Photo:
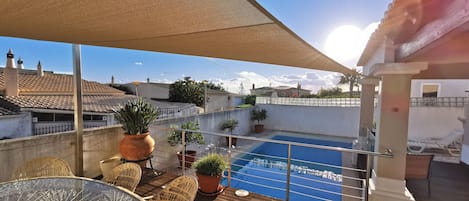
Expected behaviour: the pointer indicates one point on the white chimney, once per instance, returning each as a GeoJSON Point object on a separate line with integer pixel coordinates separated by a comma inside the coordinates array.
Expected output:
{"type": "Point", "coordinates": [11, 75]}
{"type": "Point", "coordinates": [10, 59]}
{"type": "Point", "coordinates": [20, 63]}
{"type": "Point", "coordinates": [39, 69]}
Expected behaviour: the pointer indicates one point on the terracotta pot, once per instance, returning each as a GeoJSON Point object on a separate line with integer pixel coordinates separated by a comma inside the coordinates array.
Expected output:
{"type": "Point", "coordinates": [233, 141]}
{"type": "Point", "coordinates": [190, 158]}
{"type": "Point", "coordinates": [208, 184]}
{"type": "Point", "coordinates": [137, 147]}
{"type": "Point", "coordinates": [258, 128]}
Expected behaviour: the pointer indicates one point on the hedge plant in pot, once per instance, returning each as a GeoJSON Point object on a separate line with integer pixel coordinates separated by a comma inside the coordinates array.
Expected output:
{"type": "Point", "coordinates": [175, 138]}
{"type": "Point", "coordinates": [209, 171]}
{"type": "Point", "coordinates": [136, 117]}
{"type": "Point", "coordinates": [230, 124]}
{"type": "Point", "coordinates": [258, 115]}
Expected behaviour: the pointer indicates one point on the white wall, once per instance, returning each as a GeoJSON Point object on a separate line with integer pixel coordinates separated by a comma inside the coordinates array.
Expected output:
{"type": "Point", "coordinates": [436, 122]}
{"type": "Point", "coordinates": [16, 126]}
{"type": "Point", "coordinates": [336, 121]}
{"type": "Point", "coordinates": [149, 90]}
{"type": "Point", "coordinates": [217, 102]}
{"type": "Point", "coordinates": [448, 88]}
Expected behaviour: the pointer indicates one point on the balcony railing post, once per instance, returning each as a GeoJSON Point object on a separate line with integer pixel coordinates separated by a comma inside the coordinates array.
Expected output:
{"type": "Point", "coordinates": [183, 165]}
{"type": "Point", "coordinates": [287, 197]}
{"type": "Point", "coordinates": [368, 170]}
{"type": "Point", "coordinates": [229, 160]}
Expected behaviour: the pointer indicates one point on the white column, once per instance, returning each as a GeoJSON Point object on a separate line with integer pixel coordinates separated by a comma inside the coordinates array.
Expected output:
{"type": "Point", "coordinates": [388, 180]}
{"type": "Point", "coordinates": [367, 106]}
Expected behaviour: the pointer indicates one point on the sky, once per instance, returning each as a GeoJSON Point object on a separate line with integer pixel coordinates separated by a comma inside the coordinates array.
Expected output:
{"type": "Point", "coordinates": [338, 28]}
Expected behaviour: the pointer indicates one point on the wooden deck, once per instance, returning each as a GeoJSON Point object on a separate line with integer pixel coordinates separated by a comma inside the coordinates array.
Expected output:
{"type": "Point", "coordinates": [448, 182]}
{"type": "Point", "coordinates": [151, 185]}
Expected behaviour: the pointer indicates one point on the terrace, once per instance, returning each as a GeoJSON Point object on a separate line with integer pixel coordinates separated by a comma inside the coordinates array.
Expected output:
{"type": "Point", "coordinates": [403, 48]}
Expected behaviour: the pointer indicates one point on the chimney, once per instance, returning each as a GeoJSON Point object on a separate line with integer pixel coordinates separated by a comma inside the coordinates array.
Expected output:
{"type": "Point", "coordinates": [39, 69]}
{"type": "Point", "coordinates": [112, 80]}
{"type": "Point", "coordinates": [20, 63]}
{"type": "Point", "coordinates": [148, 80]}
{"type": "Point", "coordinates": [11, 75]}
{"type": "Point", "coordinates": [253, 86]}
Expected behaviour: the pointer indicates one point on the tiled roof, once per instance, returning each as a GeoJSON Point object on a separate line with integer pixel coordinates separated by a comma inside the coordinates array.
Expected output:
{"type": "Point", "coordinates": [5, 111]}
{"type": "Point", "coordinates": [91, 103]}
{"type": "Point", "coordinates": [55, 84]}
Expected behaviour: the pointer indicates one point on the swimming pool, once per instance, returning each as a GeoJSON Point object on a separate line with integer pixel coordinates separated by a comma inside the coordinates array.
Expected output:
{"type": "Point", "coordinates": [308, 181]}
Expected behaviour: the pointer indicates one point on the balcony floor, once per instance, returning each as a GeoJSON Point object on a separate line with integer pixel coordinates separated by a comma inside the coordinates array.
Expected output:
{"type": "Point", "coordinates": [448, 182]}
{"type": "Point", "coordinates": [151, 185]}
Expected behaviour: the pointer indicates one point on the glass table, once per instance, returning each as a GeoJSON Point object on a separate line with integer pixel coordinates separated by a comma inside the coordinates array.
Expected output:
{"type": "Point", "coordinates": [63, 188]}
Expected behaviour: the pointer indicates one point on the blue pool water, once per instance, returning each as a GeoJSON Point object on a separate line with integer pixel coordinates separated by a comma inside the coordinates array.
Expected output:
{"type": "Point", "coordinates": [257, 169]}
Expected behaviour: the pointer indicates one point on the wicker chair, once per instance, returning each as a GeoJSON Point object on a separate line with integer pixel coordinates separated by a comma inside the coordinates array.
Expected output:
{"type": "Point", "coordinates": [183, 188]}
{"type": "Point", "coordinates": [126, 175]}
{"type": "Point", "coordinates": [42, 167]}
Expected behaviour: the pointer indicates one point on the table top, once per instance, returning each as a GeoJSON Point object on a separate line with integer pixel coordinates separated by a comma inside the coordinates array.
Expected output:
{"type": "Point", "coordinates": [63, 188]}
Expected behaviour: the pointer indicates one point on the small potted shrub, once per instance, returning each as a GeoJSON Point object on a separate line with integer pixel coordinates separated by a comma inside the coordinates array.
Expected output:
{"type": "Point", "coordinates": [258, 115]}
{"type": "Point", "coordinates": [136, 117]}
{"type": "Point", "coordinates": [175, 138]}
{"type": "Point", "coordinates": [209, 171]}
{"type": "Point", "coordinates": [230, 124]}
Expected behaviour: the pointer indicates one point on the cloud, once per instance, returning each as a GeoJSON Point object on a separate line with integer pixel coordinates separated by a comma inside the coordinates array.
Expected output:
{"type": "Point", "coordinates": [138, 63]}
{"type": "Point", "coordinates": [310, 80]}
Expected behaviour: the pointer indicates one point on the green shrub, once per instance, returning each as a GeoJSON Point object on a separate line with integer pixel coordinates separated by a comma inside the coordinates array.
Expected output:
{"type": "Point", "coordinates": [175, 136]}
{"type": "Point", "coordinates": [258, 115]}
{"type": "Point", "coordinates": [230, 124]}
{"type": "Point", "coordinates": [136, 116]}
{"type": "Point", "coordinates": [212, 165]}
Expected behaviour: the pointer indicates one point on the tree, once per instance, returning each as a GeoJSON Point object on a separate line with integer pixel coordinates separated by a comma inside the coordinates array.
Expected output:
{"type": "Point", "coordinates": [187, 91]}
{"type": "Point", "coordinates": [335, 92]}
{"type": "Point", "coordinates": [190, 91]}
{"type": "Point", "coordinates": [352, 80]}
{"type": "Point", "coordinates": [250, 99]}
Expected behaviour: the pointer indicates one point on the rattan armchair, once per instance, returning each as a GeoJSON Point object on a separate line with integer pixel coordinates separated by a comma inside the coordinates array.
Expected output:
{"type": "Point", "coordinates": [183, 188]}
{"type": "Point", "coordinates": [42, 167]}
{"type": "Point", "coordinates": [126, 175]}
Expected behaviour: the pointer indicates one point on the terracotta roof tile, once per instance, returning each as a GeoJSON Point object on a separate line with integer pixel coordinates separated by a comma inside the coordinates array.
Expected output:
{"type": "Point", "coordinates": [91, 103]}
{"type": "Point", "coordinates": [55, 84]}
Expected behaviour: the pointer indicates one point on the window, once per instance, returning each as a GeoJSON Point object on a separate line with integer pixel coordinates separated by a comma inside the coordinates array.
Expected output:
{"type": "Point", "coordinates": [430, 90]}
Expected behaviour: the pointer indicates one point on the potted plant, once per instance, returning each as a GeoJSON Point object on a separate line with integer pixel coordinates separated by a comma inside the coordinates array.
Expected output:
{"type": "Point", "coordinates": [258, 115]}
{"type": "Point", "coordinates": [230, 124]}
{"type": "Point", "coordinates": [209, 171]}
{"type": "Point", "coordinates": [136, 117]}
{"type": "Point", "coordinates": [175, 138]}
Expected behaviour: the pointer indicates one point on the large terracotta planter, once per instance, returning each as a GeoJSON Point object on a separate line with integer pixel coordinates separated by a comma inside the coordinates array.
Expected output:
{"type": "Point", "coordinates": [208, 184]}
{"type": "Point", "coordinates": [137, 147]}
{"type": "Point", "coordinates": [258, 128]}
{"type": "Point", "coordinates": [233, 141]}
{"type": "Point", "coordinates": [190, 158]}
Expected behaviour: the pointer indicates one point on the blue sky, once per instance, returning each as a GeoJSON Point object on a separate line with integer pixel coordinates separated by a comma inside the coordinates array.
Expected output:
{"type": "Point", "coordinates": [312, 20]}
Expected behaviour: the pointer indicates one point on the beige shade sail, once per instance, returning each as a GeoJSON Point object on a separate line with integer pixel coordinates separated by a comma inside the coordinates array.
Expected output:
{"type": "Point", "coordinates": [231, 29]}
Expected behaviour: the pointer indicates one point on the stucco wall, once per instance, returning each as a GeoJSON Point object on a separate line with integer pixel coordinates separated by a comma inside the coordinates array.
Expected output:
{"type": "Point", "coordinates": [435, 122]}
{"type": "Point", "coordinates": [218, 102]}
{"type": "Point", "coordinates": [336, 121]}
{"type": "Point", "coordinates": [98, 144]}
{"type": "Point", "coordinates": [15, 126]}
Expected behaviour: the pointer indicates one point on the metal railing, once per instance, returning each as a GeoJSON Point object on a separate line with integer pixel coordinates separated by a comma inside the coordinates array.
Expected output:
{"type": "Point", "coordinates": [41, 128]}
{"type": "Point", "coordinates": [328, 102]}
{"type": "Point", "coordinates": [355, 102]}
{"type": "Point", "coordinates": [438, 101]}
{"type": "Point", "coordinates": [298, 174]}
{"type": "Point", "coordinates": [172, 112]}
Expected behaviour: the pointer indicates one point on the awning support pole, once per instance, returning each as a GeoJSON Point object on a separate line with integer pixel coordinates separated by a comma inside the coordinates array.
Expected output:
{"type": "Point", "coordinates": [78, 109]}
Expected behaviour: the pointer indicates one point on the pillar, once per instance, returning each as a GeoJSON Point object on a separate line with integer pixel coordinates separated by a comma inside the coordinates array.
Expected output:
{"type": "Point", "coordinates": [367, 106]}
{"type": "Point", "coordinates": [388, 180]}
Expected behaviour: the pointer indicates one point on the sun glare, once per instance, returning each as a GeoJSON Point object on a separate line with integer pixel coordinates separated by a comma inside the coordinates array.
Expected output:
{"type": "Point", "coordinates": [344, 43]}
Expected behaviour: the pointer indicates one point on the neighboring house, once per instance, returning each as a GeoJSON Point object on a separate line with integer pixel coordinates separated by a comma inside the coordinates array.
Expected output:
{"type": "Point", "coordinates": [439, 88]}
{"type": "Point", "coordinates": [219, 100]}
{"type": "Point", "coordinates": [281, 91]}
{"type": "Point", "coordinates": [36, 102]}
{"type": "Point", "coordinates": [151, 90]}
